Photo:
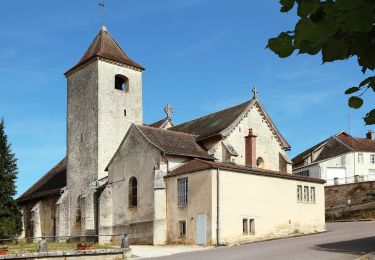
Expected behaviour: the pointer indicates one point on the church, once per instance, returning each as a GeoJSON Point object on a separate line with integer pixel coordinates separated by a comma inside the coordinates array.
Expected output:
{"type": "Point", "coordinates": [218, 179]}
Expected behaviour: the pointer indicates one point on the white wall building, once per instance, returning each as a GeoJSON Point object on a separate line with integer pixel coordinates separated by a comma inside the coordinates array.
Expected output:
{"type": "Point", "coordinates": [339, 159]}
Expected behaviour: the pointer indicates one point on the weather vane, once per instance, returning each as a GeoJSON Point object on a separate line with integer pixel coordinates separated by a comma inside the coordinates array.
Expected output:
{"type": "Point", "coordinates": [102, 10]}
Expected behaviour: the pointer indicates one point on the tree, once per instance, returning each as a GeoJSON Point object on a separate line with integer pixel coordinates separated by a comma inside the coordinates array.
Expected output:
{"type": "Point", "coordinates": [339, 29]}
{"type": "Point", "coordinates": [10, 215]}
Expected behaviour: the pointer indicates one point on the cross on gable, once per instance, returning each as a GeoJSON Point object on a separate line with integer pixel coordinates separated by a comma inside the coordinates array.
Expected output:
{"type": "Point", "coordinates": [255, 92]}
{"type": "Point", "coordinates": [168, 110]}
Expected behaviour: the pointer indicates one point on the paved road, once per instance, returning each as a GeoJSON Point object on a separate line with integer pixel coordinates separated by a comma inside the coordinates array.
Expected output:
{"type": "Point", "coordinates": [342, 241]}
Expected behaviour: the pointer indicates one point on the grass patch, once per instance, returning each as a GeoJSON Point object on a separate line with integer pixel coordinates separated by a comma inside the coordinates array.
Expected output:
{"type": "Point", "coordinates": [23, 247]}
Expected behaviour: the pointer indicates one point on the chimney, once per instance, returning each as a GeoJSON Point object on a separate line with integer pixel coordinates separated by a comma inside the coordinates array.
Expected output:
{"type": "Point", "coordinates": [250, 149]}
{"type": "Point", "coordinates": [370, 135]}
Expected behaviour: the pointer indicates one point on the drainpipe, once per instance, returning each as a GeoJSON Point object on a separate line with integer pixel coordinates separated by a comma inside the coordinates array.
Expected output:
{"type": "Point", "coordinates": [354, 172]}
{"type": "Point", "coordinates": [165, 157]}
{"type": "Point", "coordinates": [217, 208]}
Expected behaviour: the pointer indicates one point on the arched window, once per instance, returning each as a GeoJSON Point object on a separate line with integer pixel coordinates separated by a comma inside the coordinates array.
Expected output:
{"type": "Point", "coordinates": [260, 162]}
{"type": "Point", "coordinates": [122, 83]}
{"type": "Point", "coordinates": [132, 192]}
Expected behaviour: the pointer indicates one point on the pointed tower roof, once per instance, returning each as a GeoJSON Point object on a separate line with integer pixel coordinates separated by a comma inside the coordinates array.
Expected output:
{"type": "Point", "coordinates": [104, 46]}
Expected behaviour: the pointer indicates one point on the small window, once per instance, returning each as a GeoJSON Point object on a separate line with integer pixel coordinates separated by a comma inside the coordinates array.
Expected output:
{"type": "Point", "coordinates": [306, 162]}
{"type": "Point", "coordinates": [304, 173]}
{"type": "Point", "coordinates": [122, 83]}
{"type": "Point", "coordinates": [252, 226]}
{"type": "Point", "coordinates": [306, 194]}
{"type": "Point", "coordinates": [132, 192]}
{"type": "Point", "coordinates": [245, 226]}
{"type": "Point", "coordinates": [372, 158]}
{"type": "Point", "coordinates": [260, 162]}
{"type": "Point", "coordinates": [182, 228]}
{"type": "Point", "coordinates": [299, 192]}
{"type": "Point", "coordinates": [360, 158]}
{"type": "Point", "coordinates": [182, 186]}
{"type": "Point", "coordinates": [312, 194]}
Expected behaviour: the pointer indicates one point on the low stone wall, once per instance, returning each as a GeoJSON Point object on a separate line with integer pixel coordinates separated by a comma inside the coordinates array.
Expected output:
{"type": "Point", "coordinates": [140, 233]}
{"type": "Point", "coordinates": [107, 254]}
{"type": "Point", "coordinates": [338, 195]}
{"type": "Point", "coordinates": [362, 201]}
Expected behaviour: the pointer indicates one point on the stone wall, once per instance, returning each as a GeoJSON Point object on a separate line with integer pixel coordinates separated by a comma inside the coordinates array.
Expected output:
{"type": "Point", "coordinates": [82, 132]}
{"type": "Point", "coordinates": [361, 196]}
{"type": "Point", "coordinates": [98, 118]}
{"type": "Point", "coordinates": [117, 110]}
{"type": "Point", "coordinates": [338, 195]}
{"type": "Point", "coordinates": [130, 162]}
{"type": "Point", "coordinates": [62, 215]}
{"type": "Point", "coordinates": [39, 218]}
{"type": "Point", "coordinates": [105, 215]}
{"type": "Point", "coordinates": [267, 144]}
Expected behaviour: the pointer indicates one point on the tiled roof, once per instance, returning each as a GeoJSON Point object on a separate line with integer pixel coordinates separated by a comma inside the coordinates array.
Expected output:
{"type": "Point", "coordinates": [212, 124]}
{"type": "Point", "coordinates": [357, 144]}
{"type": "Point", "coordinates": [104, 46]}
{"type": "Point", "coordinates": [300, 157]}
{"type": "Point", "coordinates": [174, 143]}
{"type": "Point", "coordinates": [197, 165]}
{"type": "Point", "coordinates": [333, 147]}
{"type": "Point", "coordinates": [218, 123]}
{"type": "Point", "coordinates": [161, 123]}
{"type": "Point", "coordinates": [337, 145]}
{"type": "Point", "coordinates": [49, 184]}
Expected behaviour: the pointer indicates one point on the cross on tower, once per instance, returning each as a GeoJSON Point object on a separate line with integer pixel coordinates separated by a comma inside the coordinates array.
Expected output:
{"type": "Point", "coordinates": [168, 110]}
{"type": "Point", "coordinates": [255, 92]}
{"type": "Point", "coordinates": [102, 10]}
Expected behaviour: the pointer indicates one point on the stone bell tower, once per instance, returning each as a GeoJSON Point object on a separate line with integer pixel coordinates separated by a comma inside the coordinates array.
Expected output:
{"type": "Point", "coordinates": [104, 99]}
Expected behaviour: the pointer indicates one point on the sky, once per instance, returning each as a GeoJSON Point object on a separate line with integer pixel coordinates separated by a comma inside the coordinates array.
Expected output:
{"type": "Point", "coordinates": [200, 56]}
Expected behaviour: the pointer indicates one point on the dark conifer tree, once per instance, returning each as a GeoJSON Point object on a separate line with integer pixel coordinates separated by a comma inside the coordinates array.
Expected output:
{"type": "Point", "coordinates": [10, 215]}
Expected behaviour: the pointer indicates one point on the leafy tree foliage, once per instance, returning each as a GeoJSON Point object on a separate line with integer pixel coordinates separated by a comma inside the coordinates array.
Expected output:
{"type": "Point", "coordinates": [339, 29]}
{"type": "Point", "coordinates": [10, 215]}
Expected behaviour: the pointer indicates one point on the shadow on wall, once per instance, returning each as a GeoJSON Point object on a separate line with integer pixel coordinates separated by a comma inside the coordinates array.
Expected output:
{"type": "Point", "coordinates": [355, 246]}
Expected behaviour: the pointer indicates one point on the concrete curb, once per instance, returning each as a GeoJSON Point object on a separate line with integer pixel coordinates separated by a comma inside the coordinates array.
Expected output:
{"type": "Point", "coordinates": [370, 256]}
{"type": "Point", "coordinates": [271, 239]}
{"type": "Point", "coordinates": [69, 254]}
{"type": "Point", "coordinates": [344, 221]}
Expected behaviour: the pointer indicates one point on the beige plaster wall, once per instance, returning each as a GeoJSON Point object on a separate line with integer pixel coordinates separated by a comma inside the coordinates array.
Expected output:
{"type": "Point", "coordinates": [271, 202]}
{"type": "Point", "coordinates": [199, 201]}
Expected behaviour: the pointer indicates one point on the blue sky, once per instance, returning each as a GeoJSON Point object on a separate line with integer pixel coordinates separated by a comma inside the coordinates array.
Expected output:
{"type": "Point", "coordinates": [200, 56]}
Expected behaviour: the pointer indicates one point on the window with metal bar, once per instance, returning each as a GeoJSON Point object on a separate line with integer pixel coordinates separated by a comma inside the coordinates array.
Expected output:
{"type": "Point", "coordinates": [182, 190]}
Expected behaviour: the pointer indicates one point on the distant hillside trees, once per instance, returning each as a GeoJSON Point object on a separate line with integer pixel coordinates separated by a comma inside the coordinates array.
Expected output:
{"type": "Point", "coordinates": [10, 215]}
{"type": "Point", "coordinates": [339, 29]}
